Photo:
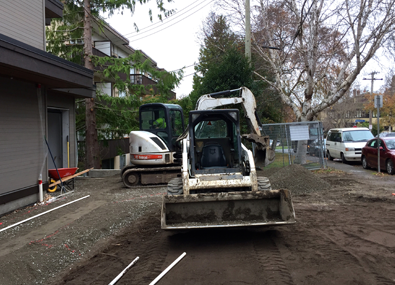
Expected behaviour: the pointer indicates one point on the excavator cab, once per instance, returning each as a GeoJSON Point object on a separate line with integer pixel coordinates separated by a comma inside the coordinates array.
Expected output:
{"type": "Point", "coordinates": [155, 154]}
{"type": "Point", "coordinates": [164, 120]}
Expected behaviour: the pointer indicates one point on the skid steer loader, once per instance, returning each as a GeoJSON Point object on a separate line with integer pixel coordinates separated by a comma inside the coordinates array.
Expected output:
{"type": "Point", "coordinates": [219, 186]}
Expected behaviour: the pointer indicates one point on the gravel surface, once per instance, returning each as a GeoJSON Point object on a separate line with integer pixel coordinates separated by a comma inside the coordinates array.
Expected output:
{"type": "Point", "coordinates": [297, 179]}
{"type": "Point", "coordinates": [35, 251]}
{"type": "Point", "coordinates": [343, 235]}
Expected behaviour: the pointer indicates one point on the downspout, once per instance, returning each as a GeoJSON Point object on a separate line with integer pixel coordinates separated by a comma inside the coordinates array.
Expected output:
{"type": "Point", "coordinates": [41, 136]}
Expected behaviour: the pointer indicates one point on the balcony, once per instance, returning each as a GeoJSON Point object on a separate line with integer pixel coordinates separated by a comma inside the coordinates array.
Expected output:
{"type": "Point", "coordinates": [140, 79]}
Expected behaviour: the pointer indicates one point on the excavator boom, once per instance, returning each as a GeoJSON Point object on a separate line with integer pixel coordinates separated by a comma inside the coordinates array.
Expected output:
{"type": "Point", "coordinates": [263, 154]}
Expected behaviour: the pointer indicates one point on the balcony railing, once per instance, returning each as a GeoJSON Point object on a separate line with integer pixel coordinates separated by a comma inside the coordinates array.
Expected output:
{"type": "Point", "coordinates": [140, 79]}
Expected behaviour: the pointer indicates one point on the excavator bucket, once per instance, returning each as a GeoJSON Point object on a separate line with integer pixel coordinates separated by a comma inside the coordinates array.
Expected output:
{"type": "Point", "coordinates": [232, 209]}
{"type": "Point", "coordinates": [263, 153]}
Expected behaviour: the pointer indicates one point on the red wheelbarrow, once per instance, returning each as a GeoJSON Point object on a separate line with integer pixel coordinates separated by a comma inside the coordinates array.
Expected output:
{"type": "Point", "coordinates": [64, 173]}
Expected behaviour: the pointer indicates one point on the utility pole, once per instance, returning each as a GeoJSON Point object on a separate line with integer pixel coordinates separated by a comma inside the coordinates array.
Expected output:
{"type": "Point", "coordinates": [248, 31]}
{"type": "Point", "coordinates": [378, 103]}
{"type": "Point", "coordinates": [371, 94]}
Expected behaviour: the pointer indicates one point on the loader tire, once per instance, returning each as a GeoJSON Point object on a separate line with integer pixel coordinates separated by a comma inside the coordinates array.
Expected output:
{"type": "Point", "coordinates": [264, 184]}
{"type": "Point", "coordinates": [174, 187]}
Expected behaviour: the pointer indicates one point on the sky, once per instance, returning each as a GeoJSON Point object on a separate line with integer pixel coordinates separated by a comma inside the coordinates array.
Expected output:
{"type": "Point", "coordinates": [173, 43]}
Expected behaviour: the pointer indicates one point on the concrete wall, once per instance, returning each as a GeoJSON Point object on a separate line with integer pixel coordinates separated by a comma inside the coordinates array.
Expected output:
{"type": "Point", "coordinates": [24, 21]}
{"type": "Point", "coordinates": [19, 203]}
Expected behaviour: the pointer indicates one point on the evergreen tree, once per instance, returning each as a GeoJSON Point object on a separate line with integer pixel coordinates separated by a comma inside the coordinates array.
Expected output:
{"type": "Point", "coordinates": [223, 66]}
{"type": "Point", "coordinates": [71, 38]}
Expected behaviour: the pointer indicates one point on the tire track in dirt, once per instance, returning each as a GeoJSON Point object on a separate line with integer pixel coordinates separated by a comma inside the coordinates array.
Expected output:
{"type": "Point", "coordinates": [143, 239]}
{"type": "Point", "coordinates": [318, 258]}
{"type": "Point", "coordinates": [152, 255]}
{"type": "Point", "coordinates": [365, 252]}
{"type": "Point", "coordinates": [270, 260]}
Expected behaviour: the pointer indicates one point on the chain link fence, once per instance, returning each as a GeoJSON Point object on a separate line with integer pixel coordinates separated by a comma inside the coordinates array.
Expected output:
{"type": "Point", "coordinates": [297, 143]}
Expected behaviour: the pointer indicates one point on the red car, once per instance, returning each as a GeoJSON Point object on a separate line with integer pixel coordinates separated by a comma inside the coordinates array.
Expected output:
{"type": "Point", "coordinates": [387, 154]}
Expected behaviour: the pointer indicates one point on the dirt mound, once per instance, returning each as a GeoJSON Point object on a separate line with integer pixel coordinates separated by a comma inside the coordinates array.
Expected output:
{"type": "Point", "coordinates": [297, 179]}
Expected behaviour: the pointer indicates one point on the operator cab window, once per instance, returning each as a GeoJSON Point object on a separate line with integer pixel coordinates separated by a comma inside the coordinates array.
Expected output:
{"type": "Point", "coordinates": [153, 118]}
{"type": "Point", "coordinates": [176, 123]}
{"type": "Point", "coordinates": [211, 129]}
{"type": "Point", "coordinates": [216, 144]}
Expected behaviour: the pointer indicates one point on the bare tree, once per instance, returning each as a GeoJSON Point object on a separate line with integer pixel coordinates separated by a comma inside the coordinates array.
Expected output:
{"type": "Point", "coordinates": [324, 46]}
{"type": "Point", "coordinates": [340, 114]}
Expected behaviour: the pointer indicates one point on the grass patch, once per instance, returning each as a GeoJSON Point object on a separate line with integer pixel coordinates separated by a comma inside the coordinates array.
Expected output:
{"type": "Point", "coordinates": [329, 171]}
{"type": "Point", "coordinates": [280, 161]}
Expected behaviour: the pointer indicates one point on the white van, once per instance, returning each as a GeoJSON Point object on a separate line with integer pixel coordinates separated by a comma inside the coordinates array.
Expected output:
{"type": "Point", "coordinates": [347, 143]}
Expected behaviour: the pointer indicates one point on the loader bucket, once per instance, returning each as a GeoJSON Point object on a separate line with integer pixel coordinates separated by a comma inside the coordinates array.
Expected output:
{"type": "Point", "coordinates": [232, 209]}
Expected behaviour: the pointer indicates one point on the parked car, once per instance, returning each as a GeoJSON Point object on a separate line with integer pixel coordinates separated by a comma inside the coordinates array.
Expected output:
{"type": "Point", "coordinates": [314, 148]}
{"type": "Point", "coordinates": [387, 154]}
{"type": "Point", "coordinates": [386, 134]}
{"type": "Point", "coordinates": [347, 143]}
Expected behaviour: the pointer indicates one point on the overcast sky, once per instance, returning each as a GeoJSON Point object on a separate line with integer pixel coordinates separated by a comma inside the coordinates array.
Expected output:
{"type": "Point", "coordinates": [173, 43]}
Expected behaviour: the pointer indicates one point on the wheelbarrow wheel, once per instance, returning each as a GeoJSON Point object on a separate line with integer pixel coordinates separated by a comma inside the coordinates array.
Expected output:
{"type": "Point", "coordinates": [54, 188]}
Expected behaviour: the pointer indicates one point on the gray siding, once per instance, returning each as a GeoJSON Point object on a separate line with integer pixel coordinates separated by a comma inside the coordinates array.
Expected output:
{"type": "Point", "coordinates": [24, 21]}
{"type": "Point", "coordinates": [21, 145]}
{"type": "Point", "coordinates": [55, 100]}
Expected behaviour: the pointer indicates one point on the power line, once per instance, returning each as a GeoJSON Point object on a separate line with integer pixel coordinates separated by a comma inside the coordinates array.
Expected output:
{"type": "Point", "coordinates": [184, 67]}
{"type": "Point", "coordinates": [167, 19]}
{"type": "Point", "coordinates": [172, 24]}
{"type": "Point", "coordinates": [189, 74]}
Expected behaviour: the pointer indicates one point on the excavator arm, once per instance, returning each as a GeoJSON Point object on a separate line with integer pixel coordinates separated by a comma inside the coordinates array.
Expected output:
{"type": "Point", "coordinates": [263, 154]}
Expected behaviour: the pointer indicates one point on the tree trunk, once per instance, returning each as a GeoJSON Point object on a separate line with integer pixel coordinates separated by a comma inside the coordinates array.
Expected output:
{"type": "Point", "coordinates": [301, 150]}
{"type": "Point", "coordinates": [91, 141]}
{"type": "Point", "coordinates": [300, 155]}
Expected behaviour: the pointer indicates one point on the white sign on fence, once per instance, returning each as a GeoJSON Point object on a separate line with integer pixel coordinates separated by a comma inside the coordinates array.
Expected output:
{"type": "Point", "coordinates": [299, 133]}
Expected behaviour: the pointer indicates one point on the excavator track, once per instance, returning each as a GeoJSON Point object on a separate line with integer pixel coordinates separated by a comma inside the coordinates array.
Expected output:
{"type": "Point", "coordinates": [139, 177]}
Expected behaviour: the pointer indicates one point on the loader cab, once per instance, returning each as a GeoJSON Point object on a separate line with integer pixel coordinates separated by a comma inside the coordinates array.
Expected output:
{"type": "Point", "coordinates": [215, 145]}
{"type": "Point", "coordinates": [164, 120]}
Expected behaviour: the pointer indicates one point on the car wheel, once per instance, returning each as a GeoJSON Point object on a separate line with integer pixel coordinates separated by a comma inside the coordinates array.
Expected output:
{"type": "Point", "coordinates": [365, 163]}
{"type": "Point", "coordinates": [390, 167]}
{"type": "Point", "coordinates": [343, 158]}
{"type": "Point", "coordinates": [329, 156]}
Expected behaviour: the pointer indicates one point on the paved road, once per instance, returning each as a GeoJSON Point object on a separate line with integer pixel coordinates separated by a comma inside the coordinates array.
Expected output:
{"type": "Point", "coordinates": [357, 169]}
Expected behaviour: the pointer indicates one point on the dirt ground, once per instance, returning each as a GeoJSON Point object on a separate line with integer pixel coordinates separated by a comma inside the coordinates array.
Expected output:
{"type": "Point", "coordinates": [345, 234]}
